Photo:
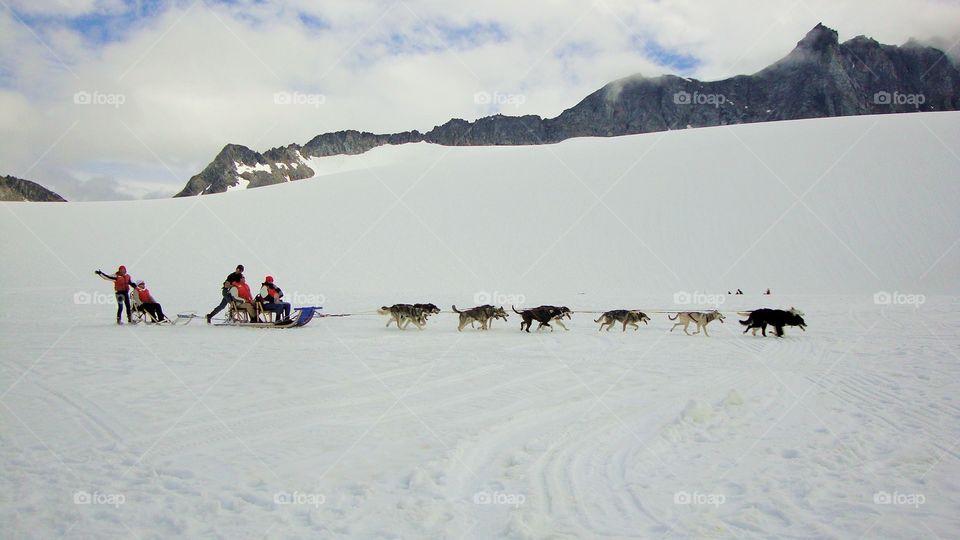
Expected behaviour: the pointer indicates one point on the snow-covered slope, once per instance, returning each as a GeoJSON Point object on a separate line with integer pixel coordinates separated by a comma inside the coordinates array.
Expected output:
{"type": "Point", "coordinates": [847, 205]}
{"type": "Point", "coordinates": [374, 432]}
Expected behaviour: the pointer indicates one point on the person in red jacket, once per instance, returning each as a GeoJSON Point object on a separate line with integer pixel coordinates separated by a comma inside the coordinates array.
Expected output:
{"type": "Point", "coordinates": [241, 293]}
{"type": "Point", "coordinates": [271, 297]}
{"type": "Point", "coordinates": [122, 283]}
{"type": "Point", "coordinates": [149, 303]}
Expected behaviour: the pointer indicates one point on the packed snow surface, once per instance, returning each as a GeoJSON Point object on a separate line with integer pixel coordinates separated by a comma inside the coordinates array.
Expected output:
{"type": "Point", "coordinates": [348, 429]}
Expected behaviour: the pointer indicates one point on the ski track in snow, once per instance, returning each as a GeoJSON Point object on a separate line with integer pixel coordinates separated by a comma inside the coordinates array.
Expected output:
{"type": "Point", "coordinates": [598, 432]}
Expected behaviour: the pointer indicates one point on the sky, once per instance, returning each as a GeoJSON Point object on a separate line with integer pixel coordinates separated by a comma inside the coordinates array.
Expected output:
{"type": "Point", "coordinates": [113, 99]}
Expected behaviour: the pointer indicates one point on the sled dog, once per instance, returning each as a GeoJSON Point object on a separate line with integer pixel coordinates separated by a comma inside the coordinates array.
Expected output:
{"type": "Point", "coordinates": [626, 317]}
{"type": "Point", "coordinates": [543, 315]}
{"type": "Point", "coordinates": [482, 314]}
{"type": "Point", "coordinates": [701, 319]}
{"type": "Point", "coordinates": [404, 314]}
{"type": "Point", "coordinates": [777, 318]}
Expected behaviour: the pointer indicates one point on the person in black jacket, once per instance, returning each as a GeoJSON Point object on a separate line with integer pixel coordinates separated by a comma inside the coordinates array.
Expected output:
{"type": "Point", "coordinates": [232, 277]}
{"type": "Point", "coordinates": [227, 297]}
{"type": "Point", "coordinates": [235, 276]}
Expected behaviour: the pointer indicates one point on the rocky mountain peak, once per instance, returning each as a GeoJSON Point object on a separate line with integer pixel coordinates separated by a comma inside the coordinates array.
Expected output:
{"type": "Point", "coordinates": [820, 39]}
{"type": "Point", "coordinates": [20, 190]}
{"type": "Point", "coordinates": [819, 78]}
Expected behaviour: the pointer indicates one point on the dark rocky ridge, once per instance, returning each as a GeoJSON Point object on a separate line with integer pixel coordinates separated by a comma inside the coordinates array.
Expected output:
{"type": "Point", "coordinates": [18, 189]}
{"type": "Point", "coordinates": [819, 78]}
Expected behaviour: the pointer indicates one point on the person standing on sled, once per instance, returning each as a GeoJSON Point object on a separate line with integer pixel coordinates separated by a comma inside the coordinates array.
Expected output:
{"type": "Point", "coordinates": [270, 296]}
{"type": "Point", "coordinates": [122, 282]}
{"type": "Point", "coordinates": [227, 297]}
{"type": "Point", "coordinates": [233, 277]}
{"type": "Point", "coordinates": [148, 303]}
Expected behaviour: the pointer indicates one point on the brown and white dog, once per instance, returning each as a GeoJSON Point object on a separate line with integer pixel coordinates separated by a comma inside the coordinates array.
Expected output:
{"type": "Point", "coordinates": [700, 318]}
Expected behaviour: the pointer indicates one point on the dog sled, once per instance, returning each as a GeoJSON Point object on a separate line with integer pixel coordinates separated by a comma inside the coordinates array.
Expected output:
{"type": "Point", "coordinates": [139, 315]}
{"type": "Point", "coordinates": [301, 317]}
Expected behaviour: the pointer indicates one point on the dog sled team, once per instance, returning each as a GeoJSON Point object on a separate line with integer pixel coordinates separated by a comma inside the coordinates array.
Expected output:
{"type": "Point", "coordinates": [402, 315]}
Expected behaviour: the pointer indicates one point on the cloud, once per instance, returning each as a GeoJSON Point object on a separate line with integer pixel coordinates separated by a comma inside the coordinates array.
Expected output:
{"type": "Point", "coordinates": [98, 188]}
{"type": "Point", "coordinates": [162, 87]}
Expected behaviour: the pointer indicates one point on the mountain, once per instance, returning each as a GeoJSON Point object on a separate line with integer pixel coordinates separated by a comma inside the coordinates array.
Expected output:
{"type": "Point", "coordinates": [820, 77]}
{"type": "Point", "coordinates": [18, 189]}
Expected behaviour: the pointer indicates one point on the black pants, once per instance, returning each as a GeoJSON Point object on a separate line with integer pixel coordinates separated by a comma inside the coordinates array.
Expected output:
{"type": "Point", "coordinates": [154, 310]}
{"type": "Point", "coordinates": [223, 304]}
{"type": "Point", "coordinates": [123, 299]}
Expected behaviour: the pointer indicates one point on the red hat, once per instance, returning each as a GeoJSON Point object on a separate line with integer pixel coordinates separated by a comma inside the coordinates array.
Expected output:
{"type": "Point", "coordinates": [268, 279]}
{"type": "Point", "coordinates": [122, 268]}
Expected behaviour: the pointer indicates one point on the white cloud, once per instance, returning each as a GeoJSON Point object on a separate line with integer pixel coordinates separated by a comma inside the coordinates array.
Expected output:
{"type": "Point", "coordinates": [195, 76]}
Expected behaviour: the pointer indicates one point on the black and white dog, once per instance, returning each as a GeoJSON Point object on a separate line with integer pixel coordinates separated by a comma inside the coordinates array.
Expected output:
{"type": "Point", "coordinates": [544, 315]}
{"type": "Point", "coordinates": [776, 318]}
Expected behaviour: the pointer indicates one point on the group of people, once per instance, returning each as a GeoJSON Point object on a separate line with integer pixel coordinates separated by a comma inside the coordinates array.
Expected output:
{"type": "Point", "coordinates": [122, 284]}
{"type": "Point", "coordinates": [236, 289]}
